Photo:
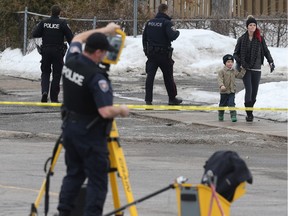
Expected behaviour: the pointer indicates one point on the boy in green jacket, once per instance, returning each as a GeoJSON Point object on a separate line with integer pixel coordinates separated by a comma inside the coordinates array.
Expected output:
{"type": "Point", "coordinates": [227, 86]}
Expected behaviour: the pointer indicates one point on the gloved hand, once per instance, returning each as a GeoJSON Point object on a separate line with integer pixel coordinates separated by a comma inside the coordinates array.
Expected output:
{"type": "Point", "coordinates": [238, 66]}
{"type": "Point", "coordinates": [272, 67]}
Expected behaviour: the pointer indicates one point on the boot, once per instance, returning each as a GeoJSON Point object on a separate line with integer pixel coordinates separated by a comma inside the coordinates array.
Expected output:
{"type": "Point", "coordinates": [233, 116]}
{"type": "Point", "coordinates": [249, 117]}
{"type": "Point", "coordinates": [221, 115]}
{"type": "Point", "coordinates": [175, 101]}
{"type": "Point", "coordinates": [44, 98]}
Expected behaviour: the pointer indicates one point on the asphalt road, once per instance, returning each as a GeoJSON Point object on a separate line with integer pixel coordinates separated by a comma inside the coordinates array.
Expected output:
{"type": "Point", "coordinates": [157, 151]}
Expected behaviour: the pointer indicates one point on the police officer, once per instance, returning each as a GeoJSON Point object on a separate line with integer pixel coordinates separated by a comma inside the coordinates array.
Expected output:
{"type": "Point", "coordinates": [52, 31]}
{"type": "Point", "coordinates": [88, 114]}
{"type": "Point", "coordinates": [156, 39]}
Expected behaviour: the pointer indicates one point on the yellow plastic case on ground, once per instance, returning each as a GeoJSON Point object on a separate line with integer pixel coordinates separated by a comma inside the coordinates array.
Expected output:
{"type": "Point", "coordinates": [195, 200]}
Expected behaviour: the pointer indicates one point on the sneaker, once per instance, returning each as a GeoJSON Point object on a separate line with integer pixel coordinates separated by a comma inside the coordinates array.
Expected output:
{"type": "Point", "coordinates": [148, 102]}
{"type": "Point", "coordinates": [44, 98]}
{"type": "Point", "coordinates": [175, 101]}
{"type": "Point", "coordinates": [221, 117]}
{"type": "Point", "coordinates": [233, 118]}
{"type": "Point", "coordinates": [55, 101]}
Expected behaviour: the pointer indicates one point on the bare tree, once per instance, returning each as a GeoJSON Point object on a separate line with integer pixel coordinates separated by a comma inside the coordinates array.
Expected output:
{"type": "Point", "coordinates": [221, 10]}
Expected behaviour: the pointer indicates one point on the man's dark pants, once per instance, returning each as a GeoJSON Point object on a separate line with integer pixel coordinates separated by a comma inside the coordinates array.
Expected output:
{"type": "Point", "coordinates": [166, 65]}
{"type": "Point", "coordinates": [83, 159]}
{"type": "Point", "coordinates": [52, 61]}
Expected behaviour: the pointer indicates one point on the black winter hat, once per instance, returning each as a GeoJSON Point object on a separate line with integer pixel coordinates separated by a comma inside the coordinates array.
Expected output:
{"type": "Point", "coordinates": [251, 19]}
{"type": "Point", "coordinates": [99, 41]}
{"type": "Point", "coordinates": [227, 57]}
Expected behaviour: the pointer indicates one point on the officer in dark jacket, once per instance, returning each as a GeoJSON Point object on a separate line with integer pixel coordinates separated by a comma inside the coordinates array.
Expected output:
{"type": "Point", "coordinates": [88, 112]}
{"type": "Point", "coordinates": [156, 39]}
{"type": "Point", "coordinates": [52, 31]}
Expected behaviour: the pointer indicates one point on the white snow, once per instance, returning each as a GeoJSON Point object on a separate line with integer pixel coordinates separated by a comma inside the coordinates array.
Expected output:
{"type": "Point", "coordinates": [196, 53]}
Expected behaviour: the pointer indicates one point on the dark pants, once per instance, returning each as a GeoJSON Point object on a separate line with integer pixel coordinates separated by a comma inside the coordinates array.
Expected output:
{"type": "Point", "coordinates": [165, 63]}
{"type": "Point", "coordinates": [227, 100]}
{"type": "Point", "coordinates": [251, 82]}
{"type": "Point", "coordinates": [84, 160]}
{"type": "Point", "coordinates": [52, 61]}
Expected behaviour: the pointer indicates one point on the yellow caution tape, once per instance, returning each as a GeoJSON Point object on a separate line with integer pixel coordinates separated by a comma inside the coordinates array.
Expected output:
{"type": "Point", "coordinates": [30, 104]}
{"type": "Point", "coordinates": [200, 108]}
{"type": "Point", "coordinates": [155, 107]}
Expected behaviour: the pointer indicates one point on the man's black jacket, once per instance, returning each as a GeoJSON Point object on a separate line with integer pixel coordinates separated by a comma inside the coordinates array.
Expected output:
{"type": "Point", "coordinates": [159, 32]}
{"type": "Point", "coordinates": [230, 170]}
{"type": "Point", "coordinates": [53, 30]}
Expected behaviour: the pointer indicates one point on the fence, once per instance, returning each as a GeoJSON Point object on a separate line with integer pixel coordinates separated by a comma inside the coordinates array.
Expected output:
{"type": "Point", "coordinates": [259, 7]}
{"type": "Point", "coordinates": [275, 30]}
{"type": "Point", "coordinates": [30, 19]}
{"type": "Point", "coordinates": [203, 8]}
{"type": "Point", "coordinates": [29, 25]}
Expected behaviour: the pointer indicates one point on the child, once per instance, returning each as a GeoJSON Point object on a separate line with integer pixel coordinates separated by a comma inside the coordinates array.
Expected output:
{"type": "Point", "coordinates": [227, 85]}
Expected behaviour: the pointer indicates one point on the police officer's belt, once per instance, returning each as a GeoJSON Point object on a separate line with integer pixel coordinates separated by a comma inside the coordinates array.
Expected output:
{"type": "Point", "coordinates": [79, 117]}
{"type": "Point", "coordinates": [158, 49]}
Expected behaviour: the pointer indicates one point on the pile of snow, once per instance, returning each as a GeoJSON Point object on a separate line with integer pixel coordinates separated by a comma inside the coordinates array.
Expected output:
{"type": "Point", "coordinates": [196, 53]}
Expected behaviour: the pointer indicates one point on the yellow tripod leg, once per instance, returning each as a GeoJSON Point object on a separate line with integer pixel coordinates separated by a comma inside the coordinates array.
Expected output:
{"type": "Point", "coordinates": [114, 186]}
{"type": "Point", "coordinates": [118, 161]}
{"type": "Point", "coordinates": [41, 193]}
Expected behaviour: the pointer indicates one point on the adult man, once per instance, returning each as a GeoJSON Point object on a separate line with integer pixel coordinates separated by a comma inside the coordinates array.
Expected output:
{"type": "Point", "coordinates": [88, 115]}
{"type": "Point", "coordinates": [157, 37]}
{"type": "Point", "coordinates": [52, 31]}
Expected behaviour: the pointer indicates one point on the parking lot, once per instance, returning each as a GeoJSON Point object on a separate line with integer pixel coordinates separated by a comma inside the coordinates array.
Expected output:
{"type": "Point", "coordinates": [159, 146]}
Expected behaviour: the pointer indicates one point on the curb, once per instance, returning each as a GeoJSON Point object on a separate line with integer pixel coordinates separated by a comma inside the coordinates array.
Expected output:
{"type": "Point", "coordinates": [21, 134]}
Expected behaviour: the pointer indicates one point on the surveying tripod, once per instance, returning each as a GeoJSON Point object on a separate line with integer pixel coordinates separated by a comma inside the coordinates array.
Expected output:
{"type": "Point", "coordinates": [117, 167]}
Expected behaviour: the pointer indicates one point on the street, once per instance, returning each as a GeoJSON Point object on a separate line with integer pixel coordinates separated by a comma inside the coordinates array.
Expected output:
{"type": "Point", "coordinates": [157, 151]}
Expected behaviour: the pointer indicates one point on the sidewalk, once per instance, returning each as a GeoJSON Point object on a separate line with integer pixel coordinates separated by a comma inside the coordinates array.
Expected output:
{"type": "Point", "coordinates": [27, 90]}
{"type": "Point", "coordinates": [258, 126]}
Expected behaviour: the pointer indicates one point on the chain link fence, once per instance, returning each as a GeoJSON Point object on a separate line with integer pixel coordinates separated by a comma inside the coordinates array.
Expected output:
{"type": "Point", "coordinates": [28, 20]}
{"type": "Point", "coordinates": [273, 29]}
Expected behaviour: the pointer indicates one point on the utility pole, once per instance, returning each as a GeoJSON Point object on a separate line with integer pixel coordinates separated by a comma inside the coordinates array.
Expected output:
{"type": "Point", "coordinates": [25, 31]}
{"type": "Point", "coordinates": [135, 18]}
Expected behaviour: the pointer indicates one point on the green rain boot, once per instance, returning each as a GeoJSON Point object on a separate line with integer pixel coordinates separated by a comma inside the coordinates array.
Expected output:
{"type": "Point", "coordinates": [221, 115]}
{"type": "Point", "coordinates": [233, 115]}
